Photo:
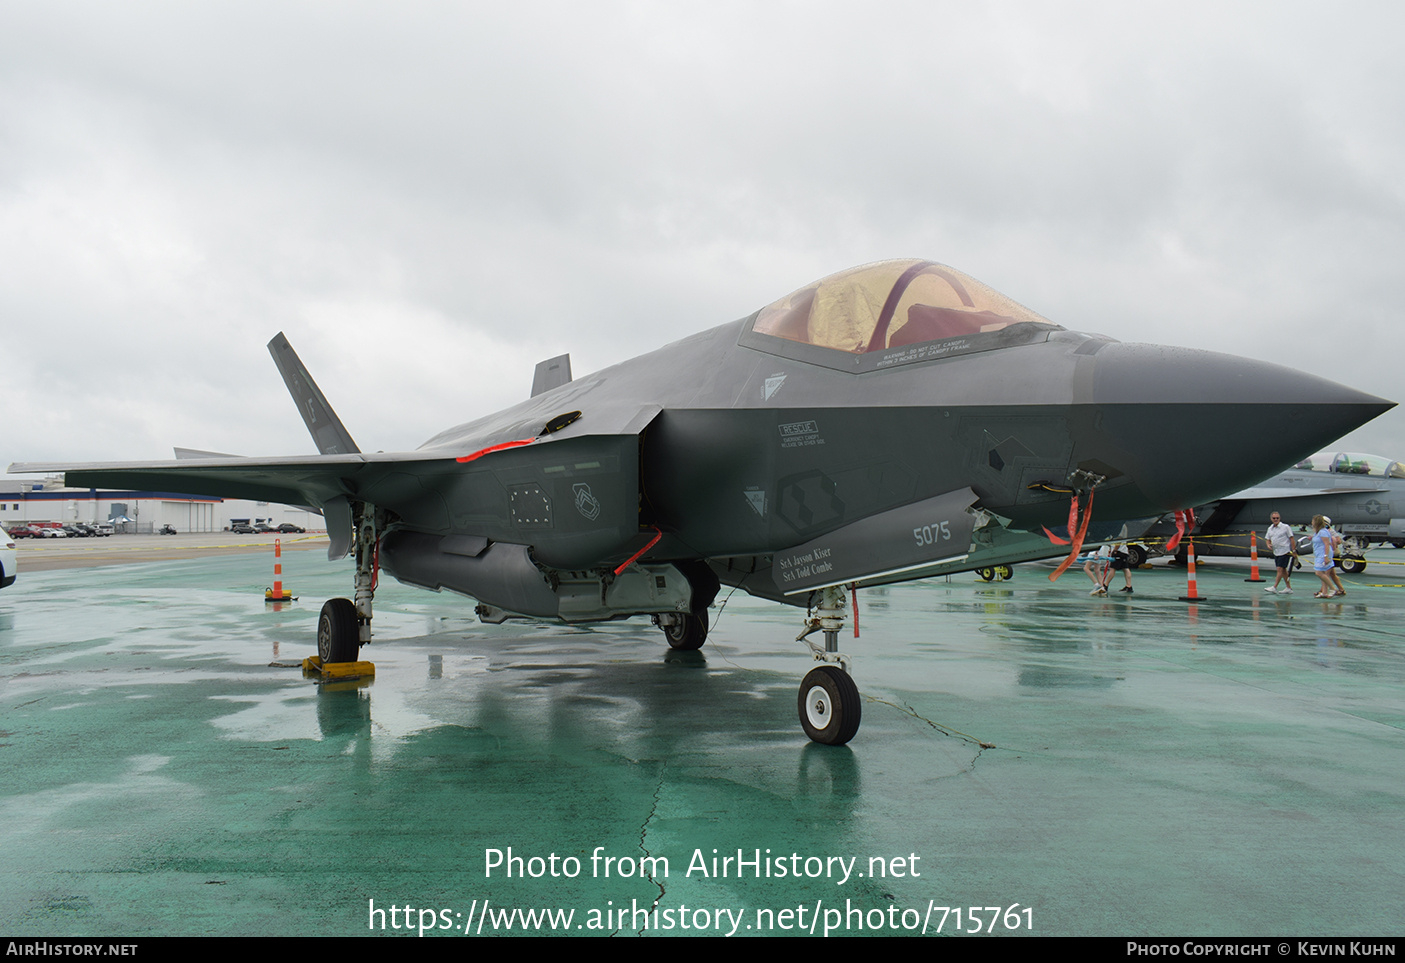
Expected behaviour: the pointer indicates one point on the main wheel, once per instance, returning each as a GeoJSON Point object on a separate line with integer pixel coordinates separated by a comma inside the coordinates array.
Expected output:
{"type": "Point", "coordinates": [338, 635]}
{"type": "Point", "coordinates": [688, 633]}
{"type": "Point", "coordinates": [829, 705]}
{"type": "Point", "coordinates": [986, 574]}
{"type": "Point", "coordinates": [1352, 565]}
{"type": "Point", "coordinates": [1004, 572]}
{"type": "Point", "coordinates": [1136, 556]}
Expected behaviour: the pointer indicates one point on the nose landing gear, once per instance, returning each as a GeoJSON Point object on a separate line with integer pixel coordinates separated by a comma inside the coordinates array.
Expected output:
{"type": "Point", "coordinates": [829, 703]}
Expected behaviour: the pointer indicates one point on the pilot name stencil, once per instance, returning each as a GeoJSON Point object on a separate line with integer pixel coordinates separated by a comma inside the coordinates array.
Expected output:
{"type": "Point", "coordinates": [812, 563]}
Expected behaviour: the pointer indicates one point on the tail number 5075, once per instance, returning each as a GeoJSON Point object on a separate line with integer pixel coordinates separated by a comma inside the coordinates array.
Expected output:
{"type": "Point", "coordinates": [931, 534]}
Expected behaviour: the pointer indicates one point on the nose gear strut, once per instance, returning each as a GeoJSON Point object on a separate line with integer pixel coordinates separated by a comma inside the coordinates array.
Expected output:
{"type": "Point", "coordinates": [829, 702]}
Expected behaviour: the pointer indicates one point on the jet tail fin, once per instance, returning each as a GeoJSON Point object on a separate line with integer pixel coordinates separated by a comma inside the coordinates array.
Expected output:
{"type": "Point", "coordinates": [551, 373]}
{"type": "Point", "coordinates": [322, 422]}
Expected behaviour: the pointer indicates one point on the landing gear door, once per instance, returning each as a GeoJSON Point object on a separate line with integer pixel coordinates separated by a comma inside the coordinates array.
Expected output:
{"type": "Point", "coordinates": [929, 532]}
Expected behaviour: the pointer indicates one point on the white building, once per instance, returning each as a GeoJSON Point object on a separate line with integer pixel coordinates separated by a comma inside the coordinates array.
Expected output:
{"type": "Point", "coordinates": [23, 501]}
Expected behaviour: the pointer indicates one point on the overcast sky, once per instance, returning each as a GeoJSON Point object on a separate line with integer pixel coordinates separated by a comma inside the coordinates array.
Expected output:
{"type": "Point", "coordinates": [429, 198]}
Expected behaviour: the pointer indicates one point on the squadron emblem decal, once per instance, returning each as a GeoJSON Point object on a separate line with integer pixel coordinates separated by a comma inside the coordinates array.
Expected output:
{"type": "Point", "coordinates": [586, 503]}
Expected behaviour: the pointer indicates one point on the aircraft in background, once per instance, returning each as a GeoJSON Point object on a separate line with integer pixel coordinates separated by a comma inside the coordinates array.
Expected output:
{"type": "Point", "coordinates": [890, 422]}
{"type": "Point", "coordinates": [1363, 495]}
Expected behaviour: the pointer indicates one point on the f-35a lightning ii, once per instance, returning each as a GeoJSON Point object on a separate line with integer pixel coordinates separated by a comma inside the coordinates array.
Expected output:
{"type": "Point", "coordinates": [890, 422]}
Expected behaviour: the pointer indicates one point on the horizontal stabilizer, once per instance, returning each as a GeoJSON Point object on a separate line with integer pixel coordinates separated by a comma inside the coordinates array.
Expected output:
{"type": "Point", "coordinates": [551, 373]}
{"type": "Point", "coordinates": [184, 453]}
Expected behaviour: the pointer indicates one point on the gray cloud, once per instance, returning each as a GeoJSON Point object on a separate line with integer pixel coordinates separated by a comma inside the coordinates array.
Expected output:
{"type": "Point", "coordinates": [428, 198]}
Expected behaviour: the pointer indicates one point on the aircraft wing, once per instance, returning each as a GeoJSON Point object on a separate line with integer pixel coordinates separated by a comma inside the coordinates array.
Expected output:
{"type": "Point", "coordinates": [1265, 491]}
{"type": "Point", "coordinates": [303, 479]}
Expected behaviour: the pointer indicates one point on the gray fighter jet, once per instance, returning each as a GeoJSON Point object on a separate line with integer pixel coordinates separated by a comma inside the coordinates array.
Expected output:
{"type": "Point", "coordinates": [1363, 495]}
{"type": "Point", "coordinates": [890, 422]}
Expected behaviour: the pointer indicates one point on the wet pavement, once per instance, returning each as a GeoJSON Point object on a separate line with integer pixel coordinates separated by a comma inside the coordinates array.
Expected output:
{"type": "Point", "coordinates": [1121, 766]}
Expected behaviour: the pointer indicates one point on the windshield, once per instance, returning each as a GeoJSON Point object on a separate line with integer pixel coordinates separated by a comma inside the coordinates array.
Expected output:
{"type": "Point", "coordinates": [891, 304]}
{"type": "Point", "coordinates": [1352, 463]}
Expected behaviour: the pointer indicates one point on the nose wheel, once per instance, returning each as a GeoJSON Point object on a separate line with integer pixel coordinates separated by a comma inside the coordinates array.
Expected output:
{"type": "Point", "coordinates": [830, 707]}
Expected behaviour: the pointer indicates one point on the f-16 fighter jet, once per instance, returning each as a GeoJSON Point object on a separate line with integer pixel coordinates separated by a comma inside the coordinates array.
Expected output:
{"type": "Point", "coordinates": [891, 422]}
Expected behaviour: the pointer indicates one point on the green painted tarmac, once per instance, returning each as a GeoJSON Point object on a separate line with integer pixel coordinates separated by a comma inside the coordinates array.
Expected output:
{"type": "Point", "coordinates": [1151, 768]}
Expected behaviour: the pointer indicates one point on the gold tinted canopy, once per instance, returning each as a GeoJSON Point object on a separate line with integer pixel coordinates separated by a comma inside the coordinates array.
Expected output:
{"type": "Point", "coordinates": [890, 304]}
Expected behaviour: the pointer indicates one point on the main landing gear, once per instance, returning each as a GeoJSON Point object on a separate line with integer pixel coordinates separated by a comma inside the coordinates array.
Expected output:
{"type": "Point", "coordinates": [344, 625]}
{"type": "Point", "coordinates": [684, 630]}
{"type": "Point", "coordinates": [993, 573]}
{"type": "Point", "coordinates": [829, 703]}
{"type": "Point", "coordinates": [1352, 564]}
{"type": "Point", "coordinates": [687, 631]}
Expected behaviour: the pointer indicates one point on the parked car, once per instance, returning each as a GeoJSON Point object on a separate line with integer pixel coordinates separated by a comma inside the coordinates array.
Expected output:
{"type": "Point", "coordinates": [8, 557]}
{"type": "Point", "coordinates": [239, 528]}
{"type": "Point", "coordinates": [290, 527]}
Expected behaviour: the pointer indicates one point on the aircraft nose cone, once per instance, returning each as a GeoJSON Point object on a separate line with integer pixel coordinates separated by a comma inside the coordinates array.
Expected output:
{"type": "Point", "coordinates": [1197, 425]}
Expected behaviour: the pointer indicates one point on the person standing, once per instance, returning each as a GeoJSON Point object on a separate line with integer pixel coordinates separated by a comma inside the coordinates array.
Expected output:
{"type": "Point", "coordinates": [1336, 550]}
{"type": "Point", "coordinates": [1096, 569]}
{"type": "Point", "coordinates": [1279, 539]}
{"type": "Point", "coordinates": [1322, 556]}
{"type": "Point", "coordinates": [1120, 562]}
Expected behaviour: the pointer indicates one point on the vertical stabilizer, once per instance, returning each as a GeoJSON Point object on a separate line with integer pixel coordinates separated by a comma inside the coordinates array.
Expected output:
{"type": "Point", "coordinates": [551, 373]}
{"type": "Point", "coordinates": [322, 422]}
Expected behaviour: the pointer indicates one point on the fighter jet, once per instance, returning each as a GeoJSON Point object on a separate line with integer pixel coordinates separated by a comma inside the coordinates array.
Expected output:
{"type": "Point", "coordinates": [890, 422]}
{"type": "Point", "coordinates": [1363, 495]}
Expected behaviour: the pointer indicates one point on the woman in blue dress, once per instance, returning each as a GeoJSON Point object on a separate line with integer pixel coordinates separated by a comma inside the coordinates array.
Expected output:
{"type": "Point", "coordinates": [1322, 538]}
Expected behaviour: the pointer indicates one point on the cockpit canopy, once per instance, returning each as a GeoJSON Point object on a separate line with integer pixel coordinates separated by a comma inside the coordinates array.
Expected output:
{"type": "Point", "coordinates": [891, 305]}
{"type": "Point", "coordinates": [1351, 463]}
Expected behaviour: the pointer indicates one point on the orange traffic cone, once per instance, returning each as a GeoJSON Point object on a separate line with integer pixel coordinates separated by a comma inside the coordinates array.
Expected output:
{"type": "Point", "coordinates": [1190, 591]}
{"type": "Point", "coordinates": [276, 594]}
{"type": "Point", "coordinates": [1254, 559]}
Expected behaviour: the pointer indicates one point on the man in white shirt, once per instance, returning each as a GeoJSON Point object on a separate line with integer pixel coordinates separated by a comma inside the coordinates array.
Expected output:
{"type": "Point", "coordinates": [1279, 538]}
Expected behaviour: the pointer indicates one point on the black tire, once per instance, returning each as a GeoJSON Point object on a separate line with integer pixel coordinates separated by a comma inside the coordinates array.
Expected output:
{"type": "Point", "coordinates": [1352, 566]}
{"type": "Point", "coordinates": [1004, 572]}
{"type": "Point", "coordinates": [829, 704]}
{"type": "Point", "coordinates": [338, 635]}
{"type": "Point", "coordinates": [1136, 556]}
{"type": "Point", "coordinates": [688, 633]}
{"type": "Point", "coordinates": [1398, 542]}
{"type": "Point", "coordinates": [986, 574]}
